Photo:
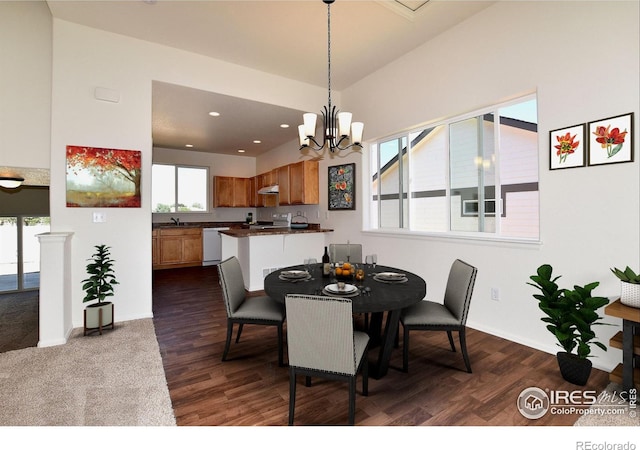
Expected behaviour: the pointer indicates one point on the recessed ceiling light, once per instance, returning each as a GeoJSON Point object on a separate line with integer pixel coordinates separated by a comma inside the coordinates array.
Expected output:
{"type": "Point", "coordinates": [214, 113]}
{"type": "Point", "coordinates": [241, 150]}
{"type": "Point", "coordinates": [257, 141]}
{"type": "Point", "coordinates": [189, 145]}
{"type": "Point", "coordinates": [284, 125]}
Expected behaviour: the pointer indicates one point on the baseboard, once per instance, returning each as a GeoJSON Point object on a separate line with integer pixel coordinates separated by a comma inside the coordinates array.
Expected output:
{"type": "Point", "coordinates": [552, 350]}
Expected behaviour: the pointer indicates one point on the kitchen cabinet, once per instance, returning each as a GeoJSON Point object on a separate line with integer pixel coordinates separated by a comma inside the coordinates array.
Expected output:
{"type": "Point", "coordinates": [253, 191]}
{"type": "Point", "coordinates": [155, 250]}
{"type": "Point", "coordinates": [267, 179]}
{"type": "Point", "coordinates": [283, 183]}
{"type": "Point", "coordinates": [231, 192]}
{"type": "Point", "coordinates": [304, 184]}
{"type": "Point", "coordinates": [241, 192]}
{"type": "Point", "coordinates": [178, 247]}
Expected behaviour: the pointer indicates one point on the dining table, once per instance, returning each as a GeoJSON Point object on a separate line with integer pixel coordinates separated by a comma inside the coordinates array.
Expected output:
{"type": "Point", "coordinates": [384, 291]}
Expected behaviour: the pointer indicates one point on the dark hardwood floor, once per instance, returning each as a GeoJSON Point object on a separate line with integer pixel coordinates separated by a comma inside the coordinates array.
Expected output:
{"type": "Point", "coordinates": [250, 388]}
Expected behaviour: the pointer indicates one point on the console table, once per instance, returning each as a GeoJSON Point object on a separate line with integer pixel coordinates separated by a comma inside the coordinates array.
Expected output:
{"type": "Point", "coordinates": [628, 373]}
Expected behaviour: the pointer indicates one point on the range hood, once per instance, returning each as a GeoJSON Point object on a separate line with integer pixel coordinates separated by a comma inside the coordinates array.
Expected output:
{"type": "Point", "coordinates": [269, 189]}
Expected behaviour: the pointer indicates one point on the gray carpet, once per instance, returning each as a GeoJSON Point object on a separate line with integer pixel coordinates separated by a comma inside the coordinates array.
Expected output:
{"type": "Point", "coordinates": [113, 379]}
{"type": "Point", "coordinates": [18, 320]}
{"type": "Point", "coordinates": [610, 410]}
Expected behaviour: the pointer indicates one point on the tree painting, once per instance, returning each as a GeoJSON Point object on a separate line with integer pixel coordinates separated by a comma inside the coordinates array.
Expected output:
{"type": "Point", "coordinates": [103, 177]}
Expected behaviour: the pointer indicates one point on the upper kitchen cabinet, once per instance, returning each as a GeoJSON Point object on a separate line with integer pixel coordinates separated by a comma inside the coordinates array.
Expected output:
{"type": "Point", "coordinates": [283, 184]}
{"type": "Point", "coordinates": [231, 192]}
{"type": "Point", "coordinates": [304, 184]}
{"type": "Point", "coordinates": [267, 179]}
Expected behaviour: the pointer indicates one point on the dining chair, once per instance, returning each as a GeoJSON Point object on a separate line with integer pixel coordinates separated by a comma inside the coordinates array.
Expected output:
{"type": "Point", "coordinates": [346, 252]}
{"type": "Point", "coordinates": [258, 310]}
{"type": "Point", "coordinates": [450, 316]}
{"type": "Point", "coordinates": [322, 343]}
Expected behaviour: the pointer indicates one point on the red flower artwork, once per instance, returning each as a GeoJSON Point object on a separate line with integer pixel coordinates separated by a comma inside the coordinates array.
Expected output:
{"type": "Point", "coordinates": [566, 146]}
{"type": "Point", "coordinates": [611, 140]}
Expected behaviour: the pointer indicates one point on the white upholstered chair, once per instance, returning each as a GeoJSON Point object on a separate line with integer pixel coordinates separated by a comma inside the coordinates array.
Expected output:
{"type": "Point", "coordinates": [322, 343]}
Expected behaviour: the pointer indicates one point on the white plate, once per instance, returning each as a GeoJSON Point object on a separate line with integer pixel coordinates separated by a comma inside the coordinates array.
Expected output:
{"type": "Point", "coordinates": [390, 276]}
{"type": "Point", "coordinates": [348, 289]}
{"type": "Point", "coordinates": [294, 274]}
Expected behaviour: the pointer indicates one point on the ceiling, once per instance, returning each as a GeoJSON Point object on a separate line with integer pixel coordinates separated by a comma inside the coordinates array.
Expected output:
{"type": "Point", "coordinates": [286, 38]}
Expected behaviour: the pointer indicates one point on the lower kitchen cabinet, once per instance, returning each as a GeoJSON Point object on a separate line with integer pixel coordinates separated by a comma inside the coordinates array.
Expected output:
{"type": "Point", "coordinates": [177, 247]}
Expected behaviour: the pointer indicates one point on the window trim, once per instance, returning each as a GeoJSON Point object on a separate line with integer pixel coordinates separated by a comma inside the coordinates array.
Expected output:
{"type": "Point", "coordinates": [449, 234]}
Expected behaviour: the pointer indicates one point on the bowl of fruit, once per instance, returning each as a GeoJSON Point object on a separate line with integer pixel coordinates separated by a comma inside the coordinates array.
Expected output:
{"type": "Point", "coordinates": [345, 271]}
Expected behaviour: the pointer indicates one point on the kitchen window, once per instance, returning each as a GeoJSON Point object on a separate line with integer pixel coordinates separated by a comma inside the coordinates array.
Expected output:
{"type": "Point", "coordinates": [473, 175]}
{"type": "Point", "coordinates": [179, 188]}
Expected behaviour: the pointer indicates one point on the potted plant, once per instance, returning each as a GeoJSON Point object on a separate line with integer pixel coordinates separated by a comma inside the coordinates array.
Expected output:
{"type": "Point", "coordinates": [629, 286]}
{"type": "Point", "coordinates": [570, 315]}
{"type": "Point", "coordinates": [98, 287]}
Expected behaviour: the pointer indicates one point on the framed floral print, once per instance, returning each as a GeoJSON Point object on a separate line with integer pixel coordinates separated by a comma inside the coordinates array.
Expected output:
{"type": "Point", "coordinates": [611, 140]}
{"type": "Point", "coordinates": [567, 147]}
{"type": "Point", "coordinates": [342, 187]}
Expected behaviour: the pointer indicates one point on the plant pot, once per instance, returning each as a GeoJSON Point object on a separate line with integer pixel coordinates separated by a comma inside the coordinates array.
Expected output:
{"type": "Point", "coordinates": [97, 317]}
{"type": "Point", "coordinates": [630, 294]}
{"type": "Point", "coordinates": [573, 369]}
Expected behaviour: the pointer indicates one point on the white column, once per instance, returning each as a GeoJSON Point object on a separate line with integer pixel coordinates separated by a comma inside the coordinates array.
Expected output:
{"type": "Point", "coordinates": [55, 289]}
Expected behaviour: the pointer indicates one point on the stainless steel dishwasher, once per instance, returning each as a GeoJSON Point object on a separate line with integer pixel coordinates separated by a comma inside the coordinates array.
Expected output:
{"type": "Point", "coordinates": [211, 246]}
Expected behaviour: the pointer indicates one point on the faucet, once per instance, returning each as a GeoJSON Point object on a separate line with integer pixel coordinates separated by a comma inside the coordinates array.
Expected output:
{"type": "Point", "coordinates": [175, 221]}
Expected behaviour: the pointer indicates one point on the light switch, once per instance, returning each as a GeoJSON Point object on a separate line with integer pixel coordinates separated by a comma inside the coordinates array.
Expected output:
{"type": "Point", "coordinates": [99, 217]}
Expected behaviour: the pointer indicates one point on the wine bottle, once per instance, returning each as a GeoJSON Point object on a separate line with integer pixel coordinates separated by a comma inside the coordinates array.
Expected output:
{"type": "Point", "coordinates": [326, 264]}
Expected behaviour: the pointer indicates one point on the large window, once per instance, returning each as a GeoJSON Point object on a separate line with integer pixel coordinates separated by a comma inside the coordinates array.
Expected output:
{"type": "Point", "coordinates": [471, 175]}
{"type": "Point", "coordinates": [179, 188]}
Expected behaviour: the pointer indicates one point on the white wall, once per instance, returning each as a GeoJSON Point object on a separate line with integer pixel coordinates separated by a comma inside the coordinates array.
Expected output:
{"type": "Point", "coordinates": [86, 58]}
{"type": "Point", "coordinates": [589, 216]}
{"type": "Point", "coordinates": [25, 84]}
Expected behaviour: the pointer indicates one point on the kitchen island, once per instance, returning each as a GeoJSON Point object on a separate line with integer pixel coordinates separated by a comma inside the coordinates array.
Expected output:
{"type": "Point", "coordinates": [261, 251]}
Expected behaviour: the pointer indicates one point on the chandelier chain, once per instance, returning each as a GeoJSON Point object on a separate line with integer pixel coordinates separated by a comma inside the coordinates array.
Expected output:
{"type": "Point", "coordinates": [329, 50]}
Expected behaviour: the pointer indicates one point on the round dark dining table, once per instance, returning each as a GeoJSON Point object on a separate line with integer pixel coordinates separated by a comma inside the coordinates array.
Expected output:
{"type": "Point", "coordinates": [375, 297]}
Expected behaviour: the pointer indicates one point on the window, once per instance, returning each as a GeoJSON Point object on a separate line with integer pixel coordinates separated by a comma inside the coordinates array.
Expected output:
{"type": "Point", "coordinates": [179, 188]}
{"type": "Point", "coordinates": [20, 256]}
{"type": "Point", "coordinates": [471, 175]}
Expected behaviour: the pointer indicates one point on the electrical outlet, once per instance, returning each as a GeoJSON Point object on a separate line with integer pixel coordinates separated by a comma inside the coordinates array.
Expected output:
{"type": "Point", "coordinates": [99, 217]}
{"type": "Point", "coordinates": [495, 294]}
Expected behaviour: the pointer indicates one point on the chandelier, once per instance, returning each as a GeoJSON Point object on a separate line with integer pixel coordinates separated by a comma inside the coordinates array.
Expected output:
{"type": "Point", "coordinates": [338, 130]}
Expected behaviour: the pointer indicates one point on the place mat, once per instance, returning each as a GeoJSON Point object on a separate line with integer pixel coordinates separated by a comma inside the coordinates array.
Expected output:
{"type": "Point", "coordinates": [306, 277]}
{"type": "Point", "coordinates": [294, 274]}
{"type": "Point", "coordinates": [394, 281]}
{"type": "Point", "coordinates": [390, 276]}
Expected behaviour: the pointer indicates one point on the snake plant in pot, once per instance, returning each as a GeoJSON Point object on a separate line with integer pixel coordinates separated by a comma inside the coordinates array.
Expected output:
{"type": "Point", "coordinates": [629, 286]}
{"type": "Point", "coordinates": [98, 287]}
{"type": "Point", "coordinates": [570, 315]}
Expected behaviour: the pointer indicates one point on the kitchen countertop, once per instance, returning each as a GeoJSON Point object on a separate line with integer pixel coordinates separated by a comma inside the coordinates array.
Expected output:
{"type": "Point", "coordinates": [246, 232]}
{"type": "Point", "coordinates": [198, 225]}
{"type": "Point", "coordinates": [241, 229]}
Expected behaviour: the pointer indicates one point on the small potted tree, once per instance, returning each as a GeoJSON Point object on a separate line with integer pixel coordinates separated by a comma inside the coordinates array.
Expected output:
{"type": "Point", "coordinates": [98, 287]}
{"type": "Point", "coordinates": [629, 286]}
{"type": "Point", "coordinates": [570, 315]}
